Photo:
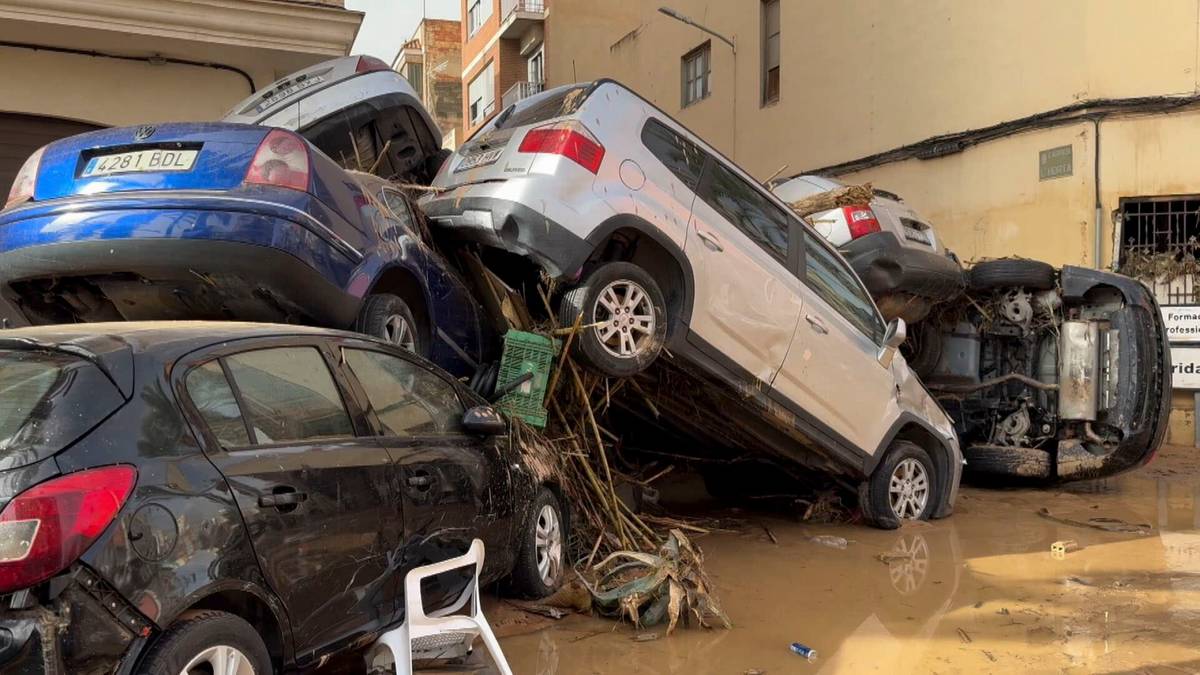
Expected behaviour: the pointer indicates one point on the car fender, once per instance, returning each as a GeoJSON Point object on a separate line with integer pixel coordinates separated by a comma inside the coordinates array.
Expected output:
{"type": "Point", "coordinates": [947, 458]}
{"type": "Point", "coordinates": [626, 221]}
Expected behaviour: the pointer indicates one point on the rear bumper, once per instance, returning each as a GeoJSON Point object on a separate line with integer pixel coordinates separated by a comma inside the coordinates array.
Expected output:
{"type": "Point", "coordinates": [510, 226]}
{"type": "Point", "coordinates": [887, 266]}
{"type": "Point", "coordinates": [170, 264]}
{"type": "Point", "coordinates": [1143, 397]}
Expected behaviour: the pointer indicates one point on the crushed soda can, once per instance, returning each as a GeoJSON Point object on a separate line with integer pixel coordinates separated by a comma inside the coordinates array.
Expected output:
{"type": "Point", "coordinates": [807, 652]}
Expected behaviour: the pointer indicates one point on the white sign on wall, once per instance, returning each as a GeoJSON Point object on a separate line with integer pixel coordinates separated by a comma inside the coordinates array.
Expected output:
{"type": "Point", "coordinates": [1183, 323]}
{"type": "Point", "coordinates": [1185, 367]}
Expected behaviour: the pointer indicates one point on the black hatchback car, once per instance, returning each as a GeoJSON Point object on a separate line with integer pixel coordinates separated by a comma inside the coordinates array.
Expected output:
{"type": "Point", "coordinates": [185, 497]}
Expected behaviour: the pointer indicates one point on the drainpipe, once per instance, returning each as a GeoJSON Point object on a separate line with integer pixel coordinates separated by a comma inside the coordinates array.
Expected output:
{"type": "Point", "coordinates": [1097, 234]}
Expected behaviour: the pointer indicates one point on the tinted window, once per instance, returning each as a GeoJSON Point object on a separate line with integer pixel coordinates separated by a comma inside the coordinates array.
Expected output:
{"type": "Point", "coordinates": [837, 285]}
{"type": "Point", "coordinates": [680, 155]}
{"type": "Point", "coordinates": [47, 400]}
{"type": "Point", "coordinates": [214, 399]}
{"type": "Point", "coordinates": [407, 399]}
{"type": "Point", "coordinates": [746, 208]}
{"type": "Point", "coordinates": [555, 104]}
{"type": "Point", "coordinates": [289, 395]}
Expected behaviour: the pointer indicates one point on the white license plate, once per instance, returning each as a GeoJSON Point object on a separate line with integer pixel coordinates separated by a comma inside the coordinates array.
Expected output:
{"type": "Point", "coordinates": [919, 236]}
{"type": "Point", "coordinates": [479, 159]}
{"type": "Point", "coordinates": [271, 98]}
{"type": "Point", "coordinates": [140, 161]}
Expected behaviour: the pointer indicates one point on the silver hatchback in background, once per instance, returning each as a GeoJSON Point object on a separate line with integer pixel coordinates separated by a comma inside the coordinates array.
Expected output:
{"type": "Point", "coordinates": [663, 245]}
{"type": "Point", "coordinates": [358, 111]}
{"type": "Point", "coordinates": [892, 248]}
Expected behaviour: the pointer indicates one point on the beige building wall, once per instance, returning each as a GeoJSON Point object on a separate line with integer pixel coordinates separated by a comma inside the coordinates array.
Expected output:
{"type": "Point", "coordinates": [864, 77]}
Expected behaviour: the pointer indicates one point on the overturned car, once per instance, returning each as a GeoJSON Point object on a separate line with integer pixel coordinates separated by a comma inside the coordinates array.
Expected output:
{"type": "Point", "coordinates": [1049, 374]}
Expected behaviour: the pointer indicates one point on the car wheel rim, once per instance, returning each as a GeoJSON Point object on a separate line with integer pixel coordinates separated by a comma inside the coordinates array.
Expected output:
{"type": "Point", "coordinates": [397, 330]}
{"type": "Point", "coordinates": [908, 489]}
{"type": "Point", "coordinates": [219, 660]}
{"type": "Point", "coordinates": [625, 319]}
{"type": "Point", "coordinates": [548, 544]}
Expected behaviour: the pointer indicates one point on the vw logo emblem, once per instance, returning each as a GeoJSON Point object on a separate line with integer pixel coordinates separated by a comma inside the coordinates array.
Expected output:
{"type": "Point", "coordinates": [143, 133]}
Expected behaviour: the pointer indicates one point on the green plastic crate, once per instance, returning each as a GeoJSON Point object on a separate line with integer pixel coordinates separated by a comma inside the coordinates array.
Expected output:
{"type": "Point", "coordinates": [526, 353]}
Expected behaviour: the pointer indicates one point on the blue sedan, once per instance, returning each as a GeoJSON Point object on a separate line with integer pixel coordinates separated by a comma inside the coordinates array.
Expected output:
{"type": "Point", "coordinates": [226, 222]}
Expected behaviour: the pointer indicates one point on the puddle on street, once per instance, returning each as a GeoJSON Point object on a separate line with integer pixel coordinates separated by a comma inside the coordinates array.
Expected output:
{"type": "Point", "coordinates": [977, 592]}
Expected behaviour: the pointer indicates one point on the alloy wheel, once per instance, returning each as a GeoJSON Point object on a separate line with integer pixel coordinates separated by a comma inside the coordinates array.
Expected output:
{"type": "Point", "coordinates": [219, 660]}
{"type": "Point", "coordinates": [625, 319]}
{"type": "Point", "coordinates": [908, 489]}
{"type": "Point", "coordinates": [397, 330]}
{"type": "Point", "coordinates": [548, 544]}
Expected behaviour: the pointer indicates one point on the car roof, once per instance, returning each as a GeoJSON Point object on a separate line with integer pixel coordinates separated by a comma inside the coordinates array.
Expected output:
{"type": "Point", "coordinates": [148, 336]}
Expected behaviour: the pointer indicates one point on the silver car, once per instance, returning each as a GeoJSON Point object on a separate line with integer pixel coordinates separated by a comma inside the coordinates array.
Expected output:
{"type": "Point", "coordinates": [358, 111]}
{"type": "Point", "coordinates": [664, 244]}
{"type": "Point", "coordinates": [892, 248]}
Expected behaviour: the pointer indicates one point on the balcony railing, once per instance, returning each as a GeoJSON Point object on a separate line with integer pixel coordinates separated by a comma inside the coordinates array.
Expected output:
{"type": "Point", "coordinates": [507, 7]}
{"type": "Point", "coordinates": [522, 90]}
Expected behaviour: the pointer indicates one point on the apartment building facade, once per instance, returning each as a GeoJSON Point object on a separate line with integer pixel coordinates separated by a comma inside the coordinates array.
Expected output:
{"type": "Point", "coordinates": [432, 62]}
{"type": "Point", "coordinates": [503, 54]}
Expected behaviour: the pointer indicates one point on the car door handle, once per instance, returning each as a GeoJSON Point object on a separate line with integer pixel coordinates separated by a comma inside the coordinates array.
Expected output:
{"type": "Point", "coordinates": [710, 240]}
{"type": "Point", "coordinates": [816, 323]}
{"type": "Point", "coordinates": [282, 498]}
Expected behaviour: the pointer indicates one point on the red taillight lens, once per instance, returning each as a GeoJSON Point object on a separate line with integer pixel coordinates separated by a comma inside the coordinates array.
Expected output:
{"type": "Point", "coordinates": [369, 64]}
{"type": "Point", "coordinates": [569, 139]}
{"type": "Point", "coordinates": [861, 220]}
{"type": "Point", "coordinates": [281, 160]}
{"type": "Point", "coordinates": [26, 181]}
{"type": "Point", "coordinates": [47, 527]}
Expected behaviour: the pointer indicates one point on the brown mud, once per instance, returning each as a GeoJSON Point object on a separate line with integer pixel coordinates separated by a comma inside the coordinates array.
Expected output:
{"type": "Point", "coordinates": [978, 592]}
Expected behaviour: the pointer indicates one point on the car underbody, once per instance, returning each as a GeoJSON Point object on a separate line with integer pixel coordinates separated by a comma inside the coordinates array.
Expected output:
{"type": "Point", "coordinates": [1066, 382]}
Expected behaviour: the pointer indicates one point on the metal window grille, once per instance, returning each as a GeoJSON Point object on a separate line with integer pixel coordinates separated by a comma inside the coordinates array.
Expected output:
{"type": "Point", "coordinates": [1160, 238]}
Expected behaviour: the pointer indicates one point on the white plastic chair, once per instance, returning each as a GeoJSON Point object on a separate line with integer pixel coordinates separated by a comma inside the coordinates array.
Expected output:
{"type": "Point", "coordinates": [442, 634]}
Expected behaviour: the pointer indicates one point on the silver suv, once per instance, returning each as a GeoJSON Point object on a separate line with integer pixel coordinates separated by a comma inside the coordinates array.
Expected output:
{"type": "Point", "coordinates": [665, 244]}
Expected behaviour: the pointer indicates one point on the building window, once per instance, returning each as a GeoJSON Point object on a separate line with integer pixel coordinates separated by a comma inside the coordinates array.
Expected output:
{"type": "Point", "coordinates": [1160, 242]}
{"type": "Point", "coordinates": [477, 14]}
{"type": "Point", "coordinates": [695, 74]}
{"type": "Point", "coordinates": [537, 67]}
{"type": "Point", "coordinates": [481, 94]}
{"type": "Point", "coordinates": [416, 78]}
{"type": "Point", "coordinates": [770, 69]}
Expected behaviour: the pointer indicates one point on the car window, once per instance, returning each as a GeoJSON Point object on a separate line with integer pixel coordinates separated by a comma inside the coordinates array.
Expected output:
{"type": "Point", "coordinates": [837, 285]}
{"type": "Point", "coordinates": [748, 209]}
{"type": "Point", "coordinates": [682, 157]}
{"type": "Point", "coordinates": [557, 104]}
{"type": "Point", "coordinates": [214, 400]}
{"type": "Point", "coordinates": [289, 395]}
{"type": "Point", "coordinates": [407, 399]}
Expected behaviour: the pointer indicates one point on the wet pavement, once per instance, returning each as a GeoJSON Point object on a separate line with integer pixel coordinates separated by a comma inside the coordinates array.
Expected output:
{"type": "Point", "coordinates": [980, 591]}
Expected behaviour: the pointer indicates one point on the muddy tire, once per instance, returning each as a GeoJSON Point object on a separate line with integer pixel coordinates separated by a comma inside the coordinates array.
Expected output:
{"type": "Point", "coordinates": [1013, 462]}
{"type": "Point", "coordinates": [903, 487]}
{"type": "Point", "coordinates": [993, 274]}
{"type": "Point", "coordinates": [631, 311]}
{"type": "Point", "coordinates": [198, 640]}
{"type": "Point", "coordinates": [923, 349]}
{"type": "Point", "coordinates": [542, 549]}
{"type": "Point", "coordinates": [389, 318]}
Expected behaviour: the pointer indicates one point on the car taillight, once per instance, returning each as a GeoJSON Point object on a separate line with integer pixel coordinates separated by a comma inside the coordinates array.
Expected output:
{"type": "Point", "coordinates": [569, 139]}
{"type": "Point", "coordinates": [26, 181]}
{"type": "Point", "coordinates": [861, 220]}
{"type": "Point", "coordinates": [369, 64]}
{"type": "Point", "coordinates": [281, 160]}
{"type": "Point", "coordinates": [47, 527]}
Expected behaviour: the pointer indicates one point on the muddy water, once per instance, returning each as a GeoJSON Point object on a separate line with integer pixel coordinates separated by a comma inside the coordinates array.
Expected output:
{"type": "Point", "coordinates": [979, 592]}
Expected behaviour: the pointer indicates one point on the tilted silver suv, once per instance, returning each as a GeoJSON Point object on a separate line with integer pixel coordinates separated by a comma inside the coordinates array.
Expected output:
{"type": "Point", "coordinates": [665, 244]}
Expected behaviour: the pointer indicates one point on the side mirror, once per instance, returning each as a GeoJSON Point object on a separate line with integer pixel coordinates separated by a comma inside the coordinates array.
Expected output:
{"type": "Point", "coordinates": [484, 420]}
{"type": "Point", "coordinates": [897, 331]}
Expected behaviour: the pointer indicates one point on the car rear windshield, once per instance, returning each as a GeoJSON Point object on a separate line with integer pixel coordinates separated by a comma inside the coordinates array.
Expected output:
{"type": "Point", "coordinates": [47, 401]}
{"type": "Point", "coordinates": [558, 103]}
